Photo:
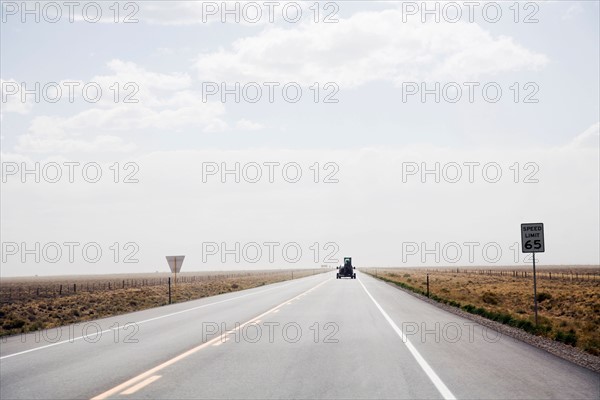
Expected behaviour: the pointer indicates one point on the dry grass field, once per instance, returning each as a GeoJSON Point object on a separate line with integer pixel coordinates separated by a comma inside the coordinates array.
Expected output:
{"type": "Point", "coordinates": [568, 308]}
{"type": "Point", "coordinates": [38, 303]}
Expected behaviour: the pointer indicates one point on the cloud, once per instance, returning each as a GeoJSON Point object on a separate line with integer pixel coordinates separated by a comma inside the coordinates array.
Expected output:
{"type": "Point", "coordinates": [128, 71]}
{"type": "Point", "coordinates": [367, 47]}
{"type": "Point", "coordinates": [128, 82]}
{"type": "Point", "coordinates": [13, 157]}
{"type": "Point", "coordinates": [164, 102]}
{"type": "Point", "coordinates": [60, 134]}
{"type": "Point", "coordinates": [51, 144]}
{"type": "Point", "coordinates": [247, 125]}
{"type": "Point", "coordinates": [590, 138]}
{"type": "Point", "coordinates": [12, 103]}
{"type": "Point", "coordinates": [208, 12]}
{"type": "Point", "coordinates": [573, 11]}
{"type": "Point", "coordinates": [175, 13]}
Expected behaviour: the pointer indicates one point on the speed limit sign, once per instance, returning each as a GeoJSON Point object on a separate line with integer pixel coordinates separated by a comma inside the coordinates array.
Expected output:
{"type": "Point", "coordinates": [532, 238]}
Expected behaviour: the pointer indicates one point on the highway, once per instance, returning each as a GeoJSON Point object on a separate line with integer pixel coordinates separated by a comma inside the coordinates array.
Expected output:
{"type": "Point", "coordinates": [315, 337]}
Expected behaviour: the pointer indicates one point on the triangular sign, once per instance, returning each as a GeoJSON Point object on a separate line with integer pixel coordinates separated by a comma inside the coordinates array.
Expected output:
{"type": "Point", "coordinates": [175, 263]}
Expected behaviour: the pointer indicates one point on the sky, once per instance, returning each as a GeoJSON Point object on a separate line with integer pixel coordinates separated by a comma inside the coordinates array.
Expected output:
{"type": "Point", "coordinates": [253, 135]}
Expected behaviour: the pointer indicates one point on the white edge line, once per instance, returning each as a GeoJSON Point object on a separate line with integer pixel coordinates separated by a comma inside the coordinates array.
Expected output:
{"type": "Point", "coordinates": [95, 334]}
{"type": "Point", "coordinates": [439, 384]}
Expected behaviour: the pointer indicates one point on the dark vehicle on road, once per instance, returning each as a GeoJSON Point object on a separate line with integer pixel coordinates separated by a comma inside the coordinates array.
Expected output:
{"type": "Point", "coordinates": [346, 271]}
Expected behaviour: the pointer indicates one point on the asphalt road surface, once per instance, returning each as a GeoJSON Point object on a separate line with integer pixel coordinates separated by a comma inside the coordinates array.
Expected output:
{"type": "Point", "coordinates": [315, 337]}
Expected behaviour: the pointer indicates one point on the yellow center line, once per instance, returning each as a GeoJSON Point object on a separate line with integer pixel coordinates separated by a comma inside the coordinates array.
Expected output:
{"type": "Point", "coordinates": [150, 372]}
{"type": "Point", "coordinates": [142, 384]}
{"type": "Point", "coordinates": [223, 340]}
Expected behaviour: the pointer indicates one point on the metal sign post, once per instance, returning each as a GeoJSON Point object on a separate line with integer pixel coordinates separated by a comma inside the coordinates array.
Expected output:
{"type": "Point", "coordinates": [175, 263]}
{"type": "Point", "coordinates": [532, 241]}
{"type": "Point", "coordinates": [535, 306]}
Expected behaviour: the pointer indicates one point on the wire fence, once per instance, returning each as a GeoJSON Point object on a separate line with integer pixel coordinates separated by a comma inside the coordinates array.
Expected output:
{"type": "Point", "coordinates": [520, 273]}
{"type": "Point", "coordinates": [18, 291]}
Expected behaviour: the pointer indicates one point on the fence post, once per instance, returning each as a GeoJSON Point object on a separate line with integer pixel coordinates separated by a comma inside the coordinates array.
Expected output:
{"type": "Point", "coordinates": [169, 290]}
{"type": "Point", "coordinates": [74, 288]}
{"type": "Point", "coordinates": [427, 285]}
